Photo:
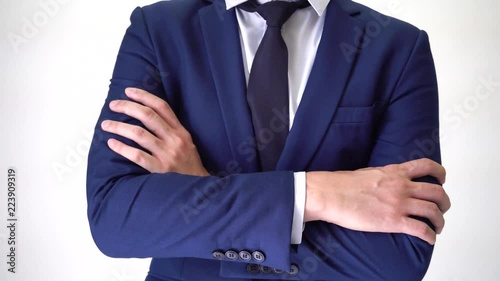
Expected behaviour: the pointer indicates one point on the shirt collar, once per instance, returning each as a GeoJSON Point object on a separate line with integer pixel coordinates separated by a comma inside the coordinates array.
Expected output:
{"type": "Point", "coordinates": [318, 5]}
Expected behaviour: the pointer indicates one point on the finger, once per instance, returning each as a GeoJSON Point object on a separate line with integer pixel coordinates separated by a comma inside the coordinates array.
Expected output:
{"type": "Point", "coordinates": [433, 193]}
{"type": "Point", "coordinates": [135, 155]}
{"type": "Point", "coordinates": [429, 210]}
{"type": "Point", "coordinates": [423, 167]}
{"type": "Point", "coordinates": [146, 115]}
{"type": "Point", "coordinates": [135, 133]}
{"type": "Point", "coordinates": [418, 229]}
{"type": "Point", "coordinates": [159, 105]}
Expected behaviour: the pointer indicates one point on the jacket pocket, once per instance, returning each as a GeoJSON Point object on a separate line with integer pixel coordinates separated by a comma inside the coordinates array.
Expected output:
{"type": "Point", "coordinates": [353, 115]}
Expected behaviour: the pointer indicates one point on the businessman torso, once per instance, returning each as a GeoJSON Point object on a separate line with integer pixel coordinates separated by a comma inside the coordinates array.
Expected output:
{"type": "Point", "coordinates": [372, 79]}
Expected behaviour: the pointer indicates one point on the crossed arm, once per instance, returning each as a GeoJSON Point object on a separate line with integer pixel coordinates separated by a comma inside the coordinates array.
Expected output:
{"type": "Point", "coordinates": [379, 199]}
{"type": "Point", "coordinates": [135, 214]}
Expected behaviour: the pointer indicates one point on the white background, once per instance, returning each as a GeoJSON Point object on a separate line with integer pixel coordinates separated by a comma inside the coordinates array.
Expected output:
{"type": "Point", "coordinates": [53, 85]}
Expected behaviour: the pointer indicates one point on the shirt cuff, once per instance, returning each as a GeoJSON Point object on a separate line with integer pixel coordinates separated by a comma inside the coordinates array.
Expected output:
{"type": "Point", "coordinates": [299, 205]}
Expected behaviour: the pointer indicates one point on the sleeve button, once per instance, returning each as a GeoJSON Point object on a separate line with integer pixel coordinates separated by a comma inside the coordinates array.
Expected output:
{"type": "Point", "coordinates": [278, 271]}
{"type": "Point", "coordinates": [231, 255]}
{"type": "Point", "coordinates": [218, 255]}
{"type": "Point", "coordinates": [245, 256]}
{"type": "Point", "coordinates": [266, 269]}
{"type": "Point", "coordinates": [253, 268]}
{"type": "Point", "coordinates": [294, 270]}
{"type": "Point", "coordinates": [258, 256]}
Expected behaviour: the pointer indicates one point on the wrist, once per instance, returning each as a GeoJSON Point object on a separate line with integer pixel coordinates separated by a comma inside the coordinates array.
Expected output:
{"type": "Point", "coordinates": [315, 204]}
{"type": "Point", "coordinates": [202, 173]}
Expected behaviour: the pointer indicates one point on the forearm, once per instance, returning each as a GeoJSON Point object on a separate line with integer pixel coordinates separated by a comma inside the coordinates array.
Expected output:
{"type": "Point", "coordinates": [410, 119]}
{"type": "Point", "coordinates": [346, 254]}
{"type": "Point", "coordinates": [172, 215]}
{"type": "Point", "coordinates": [350, 254]}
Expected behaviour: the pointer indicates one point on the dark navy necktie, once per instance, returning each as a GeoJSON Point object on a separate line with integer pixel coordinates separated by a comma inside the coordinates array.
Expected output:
{"type": "Point", "coordinates": [267, 92]}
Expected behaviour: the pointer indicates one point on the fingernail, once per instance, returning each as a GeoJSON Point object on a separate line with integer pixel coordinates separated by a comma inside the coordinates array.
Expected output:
{"type": "Point", "coordinates": [112, 143]}
{"type": "Point", "coordinates": [131, 92]}
{"type": "Point", "coordinates": [105, 124]}
{"type": "Point", "coordinates": [112, 104]}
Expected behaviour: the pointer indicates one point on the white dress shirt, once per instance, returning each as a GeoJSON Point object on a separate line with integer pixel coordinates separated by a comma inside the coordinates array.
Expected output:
{"type": "Point", "coordinates": [302, 34]}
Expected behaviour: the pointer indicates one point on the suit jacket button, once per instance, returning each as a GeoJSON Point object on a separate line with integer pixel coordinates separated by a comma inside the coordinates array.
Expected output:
{"type": "Point", "coordinates": [253, 268]}
{"type": "Point", "coordinates": [258, 256]}
{"type": "Point", "coordinates": [231, 255]}
{"type": "Point", "coordinates": [245, 256]}
{"type": "Point", "coordinates": [294, 270]}
{"type": "Point", "coordinates": [218, 255]}
{"type": "Point", "coordinates": [266, 269]}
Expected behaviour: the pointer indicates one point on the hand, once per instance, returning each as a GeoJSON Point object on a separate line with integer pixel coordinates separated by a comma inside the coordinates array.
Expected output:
{"type": "Point", "coordinates": [170, 145]}
{"type": "Point", "coordinates": [380, 199]}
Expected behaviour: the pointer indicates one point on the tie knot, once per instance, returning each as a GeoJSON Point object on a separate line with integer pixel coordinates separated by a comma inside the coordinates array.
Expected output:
{"type": "Point", "coordinates": [276, 13]}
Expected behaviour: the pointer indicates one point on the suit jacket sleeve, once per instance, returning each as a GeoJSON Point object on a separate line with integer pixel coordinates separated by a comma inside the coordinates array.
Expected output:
{"type": "Point", "coordinates": [408, 130]}
{"type": "Point", "coordinates": [133, 213]}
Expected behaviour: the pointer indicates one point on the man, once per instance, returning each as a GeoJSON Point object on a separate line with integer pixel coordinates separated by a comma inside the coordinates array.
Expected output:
{"type": "Point", "coordinates": [244, 140]}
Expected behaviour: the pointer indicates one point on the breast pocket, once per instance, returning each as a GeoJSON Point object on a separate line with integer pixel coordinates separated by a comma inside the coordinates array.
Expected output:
{"type": "Point", "coordinates": [348, 141]}
{"type": "Point", "coordinates": [353, 115]}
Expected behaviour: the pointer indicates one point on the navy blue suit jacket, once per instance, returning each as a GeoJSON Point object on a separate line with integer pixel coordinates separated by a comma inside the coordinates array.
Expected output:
{"type": "Point", "coordinates": [371, 100]}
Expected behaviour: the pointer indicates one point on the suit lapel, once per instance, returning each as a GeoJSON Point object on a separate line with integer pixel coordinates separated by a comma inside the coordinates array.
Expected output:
{"type": "Point", "coordinates": [321, 97]}
{"type": "Point", "coordinates": [220, 31]}
{"type": "Point", "coordinates": [324, 89]}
